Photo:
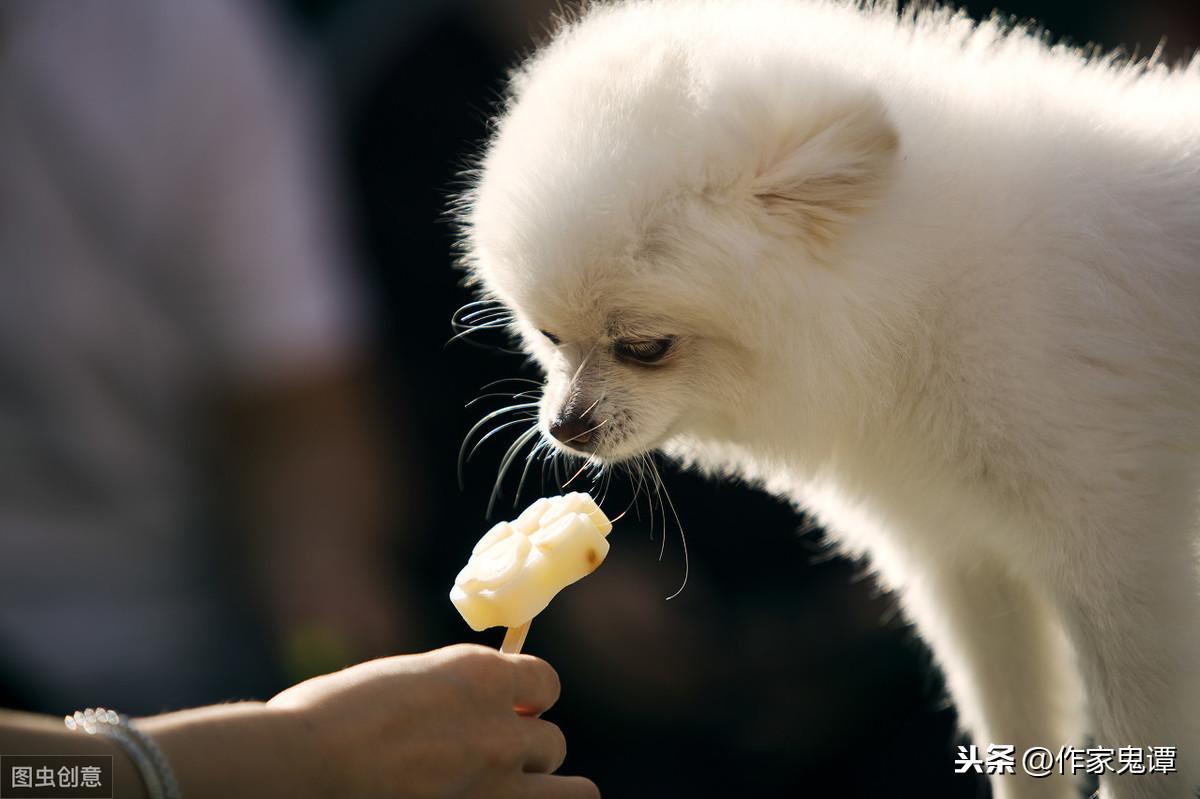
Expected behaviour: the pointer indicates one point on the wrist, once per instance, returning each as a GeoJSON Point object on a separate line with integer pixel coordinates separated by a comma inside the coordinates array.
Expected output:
{"type": "Point", "coordinates": [158, 779]}
{"type": "Point", "coordinates": [243, 749]}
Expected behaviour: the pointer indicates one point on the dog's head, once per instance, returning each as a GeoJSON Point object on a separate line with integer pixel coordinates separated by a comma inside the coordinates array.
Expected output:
{"type": "Point", "coordinates": [657, 210]}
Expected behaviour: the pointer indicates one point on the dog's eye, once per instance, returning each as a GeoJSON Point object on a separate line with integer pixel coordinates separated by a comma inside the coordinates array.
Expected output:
{"type": "Point", "coordinates": [644, 350]}
{"type": "Point", "coordinates": [553, 338]}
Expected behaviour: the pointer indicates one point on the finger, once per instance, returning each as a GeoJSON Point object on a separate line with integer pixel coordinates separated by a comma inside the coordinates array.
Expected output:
{"type": "Point", "coordinates": [548, 786]}
{"type": "Point", "coordinates": [545, 746]}
{"type": "Point", "coordinates": [535, 685]}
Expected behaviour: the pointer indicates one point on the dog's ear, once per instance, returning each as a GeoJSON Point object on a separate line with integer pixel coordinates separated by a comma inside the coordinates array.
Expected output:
{"type": "Point", "coordinates": [818, 177]}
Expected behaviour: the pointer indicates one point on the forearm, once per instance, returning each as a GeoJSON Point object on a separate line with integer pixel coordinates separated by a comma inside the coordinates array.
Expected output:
{"type": "Point", "coordinates": [237, 750]}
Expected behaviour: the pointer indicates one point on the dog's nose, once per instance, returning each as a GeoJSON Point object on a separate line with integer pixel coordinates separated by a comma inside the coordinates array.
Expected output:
{"type": "Point", "coordinates": [577, 432]}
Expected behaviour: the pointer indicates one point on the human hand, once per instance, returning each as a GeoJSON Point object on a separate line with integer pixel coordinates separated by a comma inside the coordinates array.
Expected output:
{"type": "Point", "coordinates": [456, 722]}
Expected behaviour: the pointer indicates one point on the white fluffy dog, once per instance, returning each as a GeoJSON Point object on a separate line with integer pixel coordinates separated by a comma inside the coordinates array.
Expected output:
{"type": "Point", "coordinates": [937, 282]}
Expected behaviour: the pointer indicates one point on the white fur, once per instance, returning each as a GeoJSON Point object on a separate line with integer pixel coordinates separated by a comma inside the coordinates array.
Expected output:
{"type": "Point", "coordinates": [937, 282]}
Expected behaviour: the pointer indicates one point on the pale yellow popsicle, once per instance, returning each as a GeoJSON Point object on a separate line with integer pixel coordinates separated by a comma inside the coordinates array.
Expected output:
{"type": "Point", "coordinates": [519, 566]}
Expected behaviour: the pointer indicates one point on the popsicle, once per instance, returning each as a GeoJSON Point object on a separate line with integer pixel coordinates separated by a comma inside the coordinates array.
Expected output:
{"type": "Point", "coordinates": [519, 566]}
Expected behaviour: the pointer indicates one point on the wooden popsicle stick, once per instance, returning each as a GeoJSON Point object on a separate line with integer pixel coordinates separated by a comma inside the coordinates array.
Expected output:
{"type": "Point", "coordinates": [514, 639]}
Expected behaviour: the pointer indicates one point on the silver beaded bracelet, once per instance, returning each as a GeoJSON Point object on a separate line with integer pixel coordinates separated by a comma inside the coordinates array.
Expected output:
{"type": "Point", "coordinates": [150, 761]}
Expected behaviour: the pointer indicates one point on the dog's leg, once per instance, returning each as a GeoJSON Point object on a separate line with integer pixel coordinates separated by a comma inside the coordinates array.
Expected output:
{"type": "Point", "coordinates": [1007, 664]}
{"type": "Point", "coordinates": [1133, 614]}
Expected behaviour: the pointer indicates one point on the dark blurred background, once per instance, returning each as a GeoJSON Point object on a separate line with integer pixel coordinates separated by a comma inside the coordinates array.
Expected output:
{"type": "Point", "coordinates": [318, 447]}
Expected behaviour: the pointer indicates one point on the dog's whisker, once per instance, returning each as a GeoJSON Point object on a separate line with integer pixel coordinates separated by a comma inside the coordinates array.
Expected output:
{"type": "Point", "coordinates": [583, 363]}
{"type": "Point", "coordinates": [633, 501]}
{"type": "Point", "coordinates": [484, 315]}
{"type": "Point", "coordinates": [607, 484]}
{"type": "Point", "coordinates": [499, 412]}
{"type": "Point", "coordinates": [679, 525]}
{"type": "Point", "coordinates": [494, 431]}
{"type": "Point", "coordinates": [485, 312]}
{"type": "Point", "coordinates": [658, 492]}
{"type": "Point", "coordinates": [557, 463]}
{"type": "Point", "coordinates": [542, 474]}
{"type": "Point", "coordinates": [505, 394]}
{"type": "Point", "coordinates": [581, 468]}
{"type": "Point", "coordinates": [654, 481]}
{"type": "Point", "coordinates": [468, 331]}
{"type": "Point", "coordinates": [483, 322]}
{"type": "Point", "coordinates": [506, 463]}
{"type": "Point", "coordinates": [529, 459]}
{"type": "Point", "coordinates": [489, 395]}
{"type": "Point", "coordinates": [587, 432]}
{"type": "Point", "coordinates": [642, 489]}
{"type": "Point", "coordinates": [479, 319]}
{"type": "Point", "coordinates": [509, 380]}
{"type": "Point", "coordinates": [592, 407]}
{"type": "Point", "coordinates": [595, 474]}
{"type": "Point", "coordinates": [472, 308]}
{"type": "Point", "coordinates": [648, 485]}
{"type": "Point", "coordinates": [514, 449]}
{"type": "Point", "coordinates": [462, 450]}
